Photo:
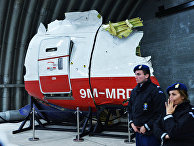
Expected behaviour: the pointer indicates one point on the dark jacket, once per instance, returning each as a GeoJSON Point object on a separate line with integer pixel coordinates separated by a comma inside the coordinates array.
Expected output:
{"type": "Point", "coordinates": [179, 126]}
{"type": "Point", "coordinates": [146, 105]}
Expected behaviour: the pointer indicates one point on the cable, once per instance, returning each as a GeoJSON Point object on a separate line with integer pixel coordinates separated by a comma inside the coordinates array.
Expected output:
{"type": "Point", "coordinates": [90, 64]}
{"type": "Point", "coordinates": [3, 119]}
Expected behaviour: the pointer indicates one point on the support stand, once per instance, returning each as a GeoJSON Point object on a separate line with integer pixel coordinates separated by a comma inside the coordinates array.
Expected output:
{"type": "Point", "coordinates": [129, 140]}
{"type": "Point", "coordinates": [78, 139]}
{"type": "Point", "coordinates": [103, 126]}
{"type": "Point", "coordinates": [85, 132]}
{"type": "Point", "coordinates": [33, 138]}
{"type": "Point", "coordinates": [29, 117]}
{"type": "Point", "coordinates": [87, 125]}
{"type": "Point", "coordinates": [98, 126]}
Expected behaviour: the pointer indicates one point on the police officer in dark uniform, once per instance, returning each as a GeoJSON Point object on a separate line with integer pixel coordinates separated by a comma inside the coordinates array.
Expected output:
{"type": "Point", "coordinates": [147, 102]}
{"type": "Point", "coordinates": [176, 126]}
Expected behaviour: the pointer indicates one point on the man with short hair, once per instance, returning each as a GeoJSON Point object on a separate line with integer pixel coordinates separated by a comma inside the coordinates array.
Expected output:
{"type": "Point", "coordinates": [147, 102]}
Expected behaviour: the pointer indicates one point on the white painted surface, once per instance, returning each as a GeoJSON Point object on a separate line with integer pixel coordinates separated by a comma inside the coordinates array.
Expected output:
{"type": "Point", "coordinates": [112, 57]}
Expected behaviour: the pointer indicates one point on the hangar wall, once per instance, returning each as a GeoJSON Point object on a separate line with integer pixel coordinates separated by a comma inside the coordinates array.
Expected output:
{"type": "Point", "coordinates": [170, 42]}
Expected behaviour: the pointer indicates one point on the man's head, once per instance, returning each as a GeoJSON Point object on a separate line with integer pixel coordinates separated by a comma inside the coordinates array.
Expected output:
{"type": "Point", "coordinates": [142, 73]}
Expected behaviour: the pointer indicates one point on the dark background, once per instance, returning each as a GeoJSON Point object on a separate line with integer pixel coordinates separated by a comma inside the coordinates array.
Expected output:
{"type": "Point", "coordinates": [170, 42]}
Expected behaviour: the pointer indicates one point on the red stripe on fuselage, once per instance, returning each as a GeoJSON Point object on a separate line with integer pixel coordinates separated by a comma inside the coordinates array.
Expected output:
{"type": "Point", "coordinates": [106, 90]}
{"type": "Point", "coordinates": [53, 57]}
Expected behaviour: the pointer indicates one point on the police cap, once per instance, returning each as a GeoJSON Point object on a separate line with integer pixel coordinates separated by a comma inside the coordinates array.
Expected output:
{"type": "Point", "coordinates": [141, 67]}
{"type": "Point", "coordinates": [176, 86]}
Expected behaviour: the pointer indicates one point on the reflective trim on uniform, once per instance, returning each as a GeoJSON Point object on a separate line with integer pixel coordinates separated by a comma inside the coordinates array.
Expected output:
{"type": "Point", "coordinates": [163, 136]}
{"type": "Point", "coordinates": [191, 114]}
{"type": "Point", "coordinates": [193, 108]}
{"type": "Point", "coordinates": [160, 92]}
{"type": "Point", "coordinates": [168, 116]}
{"type": "Point", "coordinates": [147, 127]}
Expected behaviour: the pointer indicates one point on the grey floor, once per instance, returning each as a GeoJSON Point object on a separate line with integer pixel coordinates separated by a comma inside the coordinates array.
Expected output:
{"type": "Point", "coordinates": [52, 138]}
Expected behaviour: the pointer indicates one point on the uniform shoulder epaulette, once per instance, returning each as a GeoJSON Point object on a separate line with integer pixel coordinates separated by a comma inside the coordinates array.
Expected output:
{"type": "Point", "coordinates": [159, 89]}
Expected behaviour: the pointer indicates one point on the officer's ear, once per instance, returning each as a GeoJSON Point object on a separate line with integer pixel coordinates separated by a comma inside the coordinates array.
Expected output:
{"type": "Point", "coordinates": [147, 76]}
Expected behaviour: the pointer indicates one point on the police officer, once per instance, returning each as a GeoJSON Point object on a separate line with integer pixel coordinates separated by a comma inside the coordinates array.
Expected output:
{"type": "Point", "coordinates": [147, 101]}
{"type": "Point", "coordinates": [176, 126]}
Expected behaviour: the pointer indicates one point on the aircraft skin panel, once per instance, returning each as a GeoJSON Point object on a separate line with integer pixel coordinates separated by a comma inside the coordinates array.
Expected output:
{"type": "Point", "coordinates": [106, 90]}
{"type": "Point", "coordinates": [114, 56]}
{"type": "Point", "coordinates": [56, 83]}
{"type": "Point", "coordinates": [106, 60]}
{"type": "Point", "coordinates": [33, 89]}
{"type": "Point", "coordinates": [64, 57]}
{"type": "Point", "coordinates": [81, 27]}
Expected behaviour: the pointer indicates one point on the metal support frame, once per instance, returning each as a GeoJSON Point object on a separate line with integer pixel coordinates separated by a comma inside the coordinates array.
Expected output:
{"type": "Point", "coordinates": [29, 117]}
{"type": "Point", "coordinates": [87, 127]}
{"type": "Point", "coordinates": [12, 86]}
{"type": "Point", "coordinates": [87, 122]}
{"type": "Point", "coordinates": [164, 12]}
{"type": "Point", "coordinates": [100, 127]}
{"type": "Point", "coordinates": [33, 138]}
{"type": "Point", "coordinates": [129, 140]}
{"type": "Point", "coordinates": [78, 138]}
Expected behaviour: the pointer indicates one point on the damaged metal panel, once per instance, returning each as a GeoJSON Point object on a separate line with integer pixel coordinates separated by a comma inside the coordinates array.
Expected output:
{"type": "Point", "coordinates": [19, 21]}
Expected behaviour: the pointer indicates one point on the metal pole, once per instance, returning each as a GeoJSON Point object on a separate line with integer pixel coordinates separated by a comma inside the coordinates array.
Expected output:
{"type": "Point", "coordinates": [129, 140]}
{"type": "Point", "coordinates": [78, 123]}
{"type": "Point", "coordinates": [33, 127]}
{"type": "Point", "coordinates": [78, 139]}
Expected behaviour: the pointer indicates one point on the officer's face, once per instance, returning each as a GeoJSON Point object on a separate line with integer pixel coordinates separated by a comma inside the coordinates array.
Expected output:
{"type": "Point", "coordinates": [175, 97]}
{"type": "Point", "coordinates": [140, 77]}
